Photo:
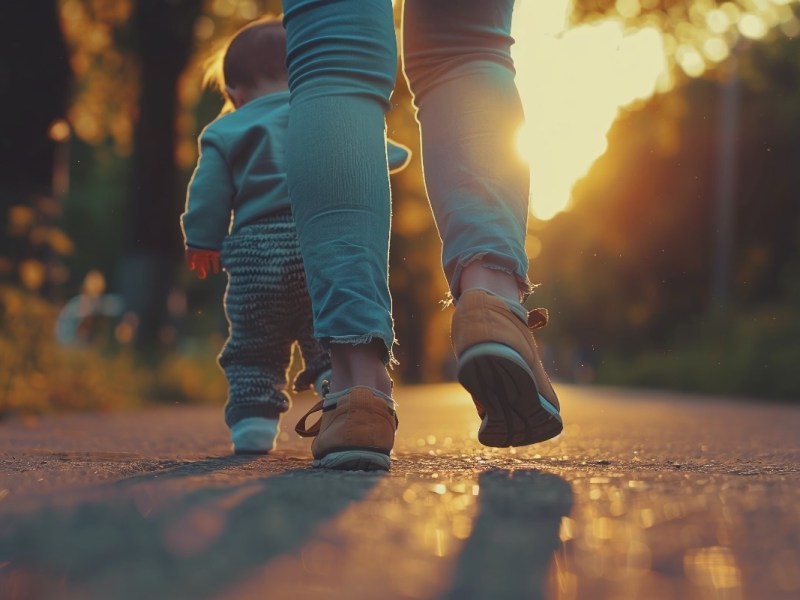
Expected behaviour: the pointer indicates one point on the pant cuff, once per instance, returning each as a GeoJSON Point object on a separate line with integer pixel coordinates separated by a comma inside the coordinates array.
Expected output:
{"type": "Point", "coordinates": [388, 357]}
{"type": "Point", "coordinates": [265, 410]}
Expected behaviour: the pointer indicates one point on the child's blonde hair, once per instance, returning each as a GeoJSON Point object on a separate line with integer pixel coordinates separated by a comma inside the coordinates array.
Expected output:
{"type": "Point", "coordinates": [255, 53]}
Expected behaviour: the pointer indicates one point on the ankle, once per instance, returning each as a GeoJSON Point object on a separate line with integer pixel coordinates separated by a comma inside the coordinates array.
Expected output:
{"type": "Point", "coordinates": [500, 283]}
{"type": "Point", "coordinates": [361, 364]}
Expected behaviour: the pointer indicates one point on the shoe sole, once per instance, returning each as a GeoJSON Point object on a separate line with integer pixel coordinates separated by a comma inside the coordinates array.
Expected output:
{"type": "Point", "coordinates": [354, 460]}
{"type": "Point", "coordinates": [499, 380]}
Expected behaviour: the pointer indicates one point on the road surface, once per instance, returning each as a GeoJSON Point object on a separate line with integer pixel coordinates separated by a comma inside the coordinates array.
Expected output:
{"type": "Point", "coordinates": [645, 495]}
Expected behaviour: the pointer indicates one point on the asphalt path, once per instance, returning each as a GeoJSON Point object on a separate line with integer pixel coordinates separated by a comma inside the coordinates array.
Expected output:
{"type": "Point", "coordinates": [645, 495]}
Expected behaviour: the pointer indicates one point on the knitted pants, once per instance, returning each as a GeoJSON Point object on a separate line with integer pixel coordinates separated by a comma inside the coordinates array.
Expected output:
{"type": "Point", "coordinates": [268, 310]}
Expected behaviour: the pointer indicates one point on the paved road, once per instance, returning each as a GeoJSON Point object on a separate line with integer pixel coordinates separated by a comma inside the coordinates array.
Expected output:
{"type": "Point", "coordinates": [645, 495]}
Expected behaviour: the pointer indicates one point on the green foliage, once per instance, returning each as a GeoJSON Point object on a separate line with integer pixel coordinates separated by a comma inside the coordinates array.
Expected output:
{"type": "Point", "coordinates": [752, 354]}
{"type": "Point", "coordinates": [39, 375]}
{"type": "Point", "coordinates": [95, 210]}
{"type": "Point", "coordinates": [34, 245]}
{"type": "Point", "coordinates": [190, 378]}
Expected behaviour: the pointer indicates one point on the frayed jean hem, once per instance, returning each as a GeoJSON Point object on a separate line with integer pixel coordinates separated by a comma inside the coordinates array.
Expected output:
{"type": "Point", "coordinates": [357, 340]}
{"type": "Point", "coordinates": [525, 285]}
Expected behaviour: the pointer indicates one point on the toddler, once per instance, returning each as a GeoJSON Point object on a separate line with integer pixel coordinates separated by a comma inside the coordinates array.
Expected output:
{"type": "Point", "coordinates": [238, 217]}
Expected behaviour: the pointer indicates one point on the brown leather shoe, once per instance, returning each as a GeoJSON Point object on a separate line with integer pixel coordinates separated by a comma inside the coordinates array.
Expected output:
{"type": "Point", "coordinates": [499, 365]}
{"type": "Point", "coordinates": [354, 434]}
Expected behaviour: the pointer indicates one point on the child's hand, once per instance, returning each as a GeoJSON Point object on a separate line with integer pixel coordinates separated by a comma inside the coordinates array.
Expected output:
{"type": "Point", "coordinates": [202, 262]}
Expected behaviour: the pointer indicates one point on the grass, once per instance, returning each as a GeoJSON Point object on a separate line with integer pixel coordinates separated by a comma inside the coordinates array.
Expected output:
{"type": "Point", "coordinates": [40, 375]}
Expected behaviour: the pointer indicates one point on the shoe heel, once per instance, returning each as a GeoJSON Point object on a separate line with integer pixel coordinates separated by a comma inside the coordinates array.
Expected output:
{"type": "Point", "coordinates": [493, 350]}
{"type": "Point", "coordinates": [500, 381]}
{"type": "Point", "coordinates": [354, 460]}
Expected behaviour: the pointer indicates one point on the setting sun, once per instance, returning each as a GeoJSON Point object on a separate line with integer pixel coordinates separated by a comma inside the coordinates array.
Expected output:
{"type": "Point", "coordinates": [573, 80]}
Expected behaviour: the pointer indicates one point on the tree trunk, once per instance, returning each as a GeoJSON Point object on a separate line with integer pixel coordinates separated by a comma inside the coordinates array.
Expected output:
{"type": "Point", "coordinates": [35, 79]}
{"type": "Point", "coordinates": [163, 32]}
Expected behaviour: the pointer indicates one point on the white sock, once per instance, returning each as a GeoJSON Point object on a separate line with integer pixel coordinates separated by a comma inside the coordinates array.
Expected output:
{"type": "Point", "coordinates": [254, 435]}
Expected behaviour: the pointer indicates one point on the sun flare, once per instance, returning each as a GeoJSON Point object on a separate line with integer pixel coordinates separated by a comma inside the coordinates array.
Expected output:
{"type": "Point", "coordinates": [573, 80]}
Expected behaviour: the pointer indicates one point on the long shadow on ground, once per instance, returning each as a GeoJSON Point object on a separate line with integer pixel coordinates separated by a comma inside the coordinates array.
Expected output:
{"type": "Point", "coordinates": [182, 545]}
{"type": "Point", "coordinates": [514, 536]}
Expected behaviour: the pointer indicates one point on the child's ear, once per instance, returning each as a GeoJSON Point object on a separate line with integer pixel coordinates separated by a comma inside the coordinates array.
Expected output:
{"type": "Point", "coordinates": [235, 95]}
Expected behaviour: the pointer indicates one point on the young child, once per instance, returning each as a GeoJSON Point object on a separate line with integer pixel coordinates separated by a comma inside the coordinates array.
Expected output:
{"type": "Point", "coordinates": [238, 217]}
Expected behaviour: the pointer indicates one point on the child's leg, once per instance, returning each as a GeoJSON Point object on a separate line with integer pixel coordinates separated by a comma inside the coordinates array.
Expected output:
{"type": "Point", "coordinates": [456, 56]}
{"type": "Point", "coordinates": [342, 63]}
{"type": "Point", "coordinates": [258, 351]}
{"type": "Point", "coordinates": [316, 360]}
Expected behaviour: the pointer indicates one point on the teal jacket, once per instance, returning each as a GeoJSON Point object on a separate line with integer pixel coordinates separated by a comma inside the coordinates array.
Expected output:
{"type": "Point", "coordinates": [240, 177]}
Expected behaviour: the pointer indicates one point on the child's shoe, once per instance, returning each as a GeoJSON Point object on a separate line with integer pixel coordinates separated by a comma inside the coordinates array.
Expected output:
{"type": "Point", "coordinates": [355, 432]}
{"type": "Point", "coordinates": [499, 364]}
{"type": "Point", "coordinates": [254, 435]}
{"type": "Point", "coordinates": [322, 382]}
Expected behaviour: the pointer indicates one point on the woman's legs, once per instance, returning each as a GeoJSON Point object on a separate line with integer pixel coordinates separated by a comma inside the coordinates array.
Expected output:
{"type": "Point", "coordinates": [456, 56]}
{"type": "Point", "coordinates": [342, 60]}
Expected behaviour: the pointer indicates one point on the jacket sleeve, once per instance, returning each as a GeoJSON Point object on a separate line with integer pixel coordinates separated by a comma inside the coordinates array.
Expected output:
{"type": "Point", "coordinates": [209, 197]}
{"type": "Point", "coordinates": [399, 156]}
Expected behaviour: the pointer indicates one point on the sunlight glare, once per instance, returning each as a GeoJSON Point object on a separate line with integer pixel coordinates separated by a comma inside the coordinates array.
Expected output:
{"type": "Point", "coordinates": [573, 81]}
{"type": "Point", "coordinates": [715, 49]}
{"type": "Point", "coordinates": [753, 27]}
{"type": "Point", "coordinates": [717, 20]}
{"type": "Point", "coordinates": [690, 60]}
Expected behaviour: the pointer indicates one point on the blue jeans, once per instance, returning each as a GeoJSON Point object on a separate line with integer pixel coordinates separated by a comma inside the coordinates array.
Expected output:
{"type": "Point", "coordinates": [342, 61]}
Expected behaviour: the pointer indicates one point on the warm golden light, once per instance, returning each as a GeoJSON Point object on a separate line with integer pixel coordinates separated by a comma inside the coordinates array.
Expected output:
{"type": "Point", "coordinates": [59, 130]}
{"type": "Point", "coordinates": [573, 80]}
{"type": "Point", "coordinates": [753, 27]}
{"type": "Point", "coordinates": [713, 567]}
{"type": "Point", "coordinates": [715, 49]}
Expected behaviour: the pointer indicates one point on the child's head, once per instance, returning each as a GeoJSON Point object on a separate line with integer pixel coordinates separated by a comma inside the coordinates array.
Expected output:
{"type": "Point", "coordinates": [252, 64]}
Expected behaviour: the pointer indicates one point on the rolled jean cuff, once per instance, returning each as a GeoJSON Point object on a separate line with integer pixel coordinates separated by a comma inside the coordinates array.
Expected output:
{"type": "Point", "coordinates": [494, 262]}
{"type": "Point", "coordinates": [357, 340]}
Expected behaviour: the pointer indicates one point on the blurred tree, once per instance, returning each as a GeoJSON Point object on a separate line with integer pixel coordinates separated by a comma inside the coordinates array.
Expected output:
{"type": "Point", "coordinates": [768, 219]}
{"type": "Point", "coordinates": [34, 87]}
{"type": "Point", "coordinates": [164, 40]}
{"type": "Point", "coordinates": [627, 271]}
{"type": "Point", "coordinates": [34, 84]}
